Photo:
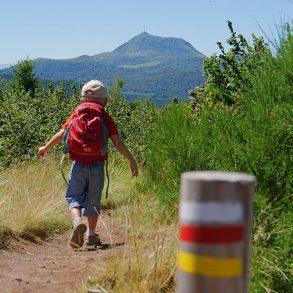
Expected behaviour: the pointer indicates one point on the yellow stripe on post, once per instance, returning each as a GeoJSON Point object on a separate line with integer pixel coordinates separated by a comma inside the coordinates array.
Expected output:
{"type": "Point", "coordinates": [209, 266]}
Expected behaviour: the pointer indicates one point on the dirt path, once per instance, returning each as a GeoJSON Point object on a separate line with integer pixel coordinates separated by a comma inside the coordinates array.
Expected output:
{"type": "Point", "coordinates": [51, 265]}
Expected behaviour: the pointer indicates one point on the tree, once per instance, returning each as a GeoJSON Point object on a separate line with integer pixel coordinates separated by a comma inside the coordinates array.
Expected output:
{"type": "Point", "coordinates": [229, 73]}
{"type": "Point", "coordinates": [24, 76]}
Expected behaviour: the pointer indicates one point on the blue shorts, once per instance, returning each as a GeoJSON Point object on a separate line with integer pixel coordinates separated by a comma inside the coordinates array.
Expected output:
{"type": "Point", "coordinates": [86, 182]}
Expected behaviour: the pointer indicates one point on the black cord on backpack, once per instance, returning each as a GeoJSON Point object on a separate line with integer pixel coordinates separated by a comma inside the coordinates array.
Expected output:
{"type": "Point", "coordinates": [61, 168]}
{"type": "Point", "coordinates": [108, 179]}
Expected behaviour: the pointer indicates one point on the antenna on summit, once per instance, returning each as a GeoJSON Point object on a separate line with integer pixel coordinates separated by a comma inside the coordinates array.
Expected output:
{"type": "Point", "coordinates": [144, 29]}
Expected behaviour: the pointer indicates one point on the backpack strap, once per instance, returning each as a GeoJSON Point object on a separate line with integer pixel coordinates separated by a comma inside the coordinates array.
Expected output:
{"type": "Point", "coordinates": [65, 138]}
{"type": "Point", "coordinates": [108, 179]}
{"type": "Point", "coordinates": [61, 168]}
{"type": "Point", "coordinates": [105, 133]}
{"type": "Point", "coordinates": [65, 151]}
{"type": "Point", "coordinates": [104, 148]}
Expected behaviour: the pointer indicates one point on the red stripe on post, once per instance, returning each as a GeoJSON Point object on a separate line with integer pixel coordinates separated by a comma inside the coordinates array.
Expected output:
{"type": "Point", "coordinates": [223, 234]}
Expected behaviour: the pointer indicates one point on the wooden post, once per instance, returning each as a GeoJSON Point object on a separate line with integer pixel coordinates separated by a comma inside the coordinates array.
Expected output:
{"type": "Point", "coordinates": [215, 227]}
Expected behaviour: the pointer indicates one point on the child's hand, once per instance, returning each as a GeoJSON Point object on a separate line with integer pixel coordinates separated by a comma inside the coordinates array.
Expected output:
{"type": "Point", "coordinates": [42, 151]}
{"type": "Point", "coordinates": [134, 169]}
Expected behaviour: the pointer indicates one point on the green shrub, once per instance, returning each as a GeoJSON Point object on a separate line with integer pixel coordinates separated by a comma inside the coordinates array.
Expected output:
{"type": "Point", "coordinates": [253, 135]}
{"type": "Point", "coordinates": [26, 121]}
{"type": "Point", "coordinates": [134, 119]}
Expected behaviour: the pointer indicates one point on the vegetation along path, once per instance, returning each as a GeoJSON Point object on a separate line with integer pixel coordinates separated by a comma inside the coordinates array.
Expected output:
{"type": "Point", "coordinates": [51, 265]}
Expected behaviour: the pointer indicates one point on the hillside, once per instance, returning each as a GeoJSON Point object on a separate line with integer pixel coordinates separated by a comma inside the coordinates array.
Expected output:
{"type": "Point", "coordinates": [2, 66]}
{"type": "Point", "coordinates": [151, 66]}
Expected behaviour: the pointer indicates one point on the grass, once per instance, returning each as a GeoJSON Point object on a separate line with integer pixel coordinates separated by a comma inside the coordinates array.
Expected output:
{"type": "Point", "coordinates": [121, 183]}
{"type": "Point", "coordinates": [147, 263]}
{"type": "Point", "coordinates": [33, 206]}
{"type": "Point", "coordinates": [271, 260]}
{"type": "Point", "coordinates": [254, 137]}
{"type": "Point", "coordinates": [33, 197]}
{"type": "Point", "coordinates": [32, 200]}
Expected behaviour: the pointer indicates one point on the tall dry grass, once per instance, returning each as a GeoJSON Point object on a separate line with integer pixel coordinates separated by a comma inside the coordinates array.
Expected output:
{"type": "Point", "coordinates": [33, 196]}
{"type": "Point", "coordinates": [147, 262]}
{"type": "Point", "coordinates": [32, 199]}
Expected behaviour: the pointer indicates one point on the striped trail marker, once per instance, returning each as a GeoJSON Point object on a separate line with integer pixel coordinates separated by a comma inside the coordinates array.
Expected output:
{"type": "Point", "coordinates": [215, 223]}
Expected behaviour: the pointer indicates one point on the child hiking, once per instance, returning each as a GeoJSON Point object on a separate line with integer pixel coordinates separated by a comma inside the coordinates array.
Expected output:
{"type": "Point", "coordinates": [85, 135]}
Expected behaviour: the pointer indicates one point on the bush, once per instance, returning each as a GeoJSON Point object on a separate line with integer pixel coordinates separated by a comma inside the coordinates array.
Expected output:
{"type": "Point", "coordinates": [28, 121]}
{"type": "Point", "coordinates": [134, 119]}
{"type": "Point", "coordinates": [253, 135]}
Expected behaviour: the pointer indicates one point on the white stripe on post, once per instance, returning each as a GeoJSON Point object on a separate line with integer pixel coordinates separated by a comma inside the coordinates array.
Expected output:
{"type": "Point", "coordinates": [210, 212]}
{"type": "Point", "coordinates": [215, 223]}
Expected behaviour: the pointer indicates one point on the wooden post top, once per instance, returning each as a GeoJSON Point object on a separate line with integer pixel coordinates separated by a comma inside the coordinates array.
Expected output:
{"type": "Point", "coordinates": [218, 176]}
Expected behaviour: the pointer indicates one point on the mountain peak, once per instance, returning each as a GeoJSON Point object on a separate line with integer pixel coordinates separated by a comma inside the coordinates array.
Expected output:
{"type": "Point", "coordinates": [143, 33]}
{"type": "Point", "coordinates": [151, 45]}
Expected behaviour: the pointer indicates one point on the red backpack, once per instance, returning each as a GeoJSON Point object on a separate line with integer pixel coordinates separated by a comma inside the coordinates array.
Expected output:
{"type": "Point", "coordinates": [86, 137]}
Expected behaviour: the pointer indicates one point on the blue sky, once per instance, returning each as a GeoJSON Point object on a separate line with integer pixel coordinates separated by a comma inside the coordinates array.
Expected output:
{"type": "Point", "coordinates": [70, 28]}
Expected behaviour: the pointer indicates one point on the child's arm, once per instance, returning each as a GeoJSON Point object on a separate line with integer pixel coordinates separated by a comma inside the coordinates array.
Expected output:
{"type": "Point", "coordinates": [56, 138]}
{"type": "Point", "coordinates": [123, 150]}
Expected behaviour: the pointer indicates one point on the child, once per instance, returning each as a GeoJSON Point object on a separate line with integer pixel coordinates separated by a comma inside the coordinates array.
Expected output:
{"type": "Point", "coordinates": [86, 180]}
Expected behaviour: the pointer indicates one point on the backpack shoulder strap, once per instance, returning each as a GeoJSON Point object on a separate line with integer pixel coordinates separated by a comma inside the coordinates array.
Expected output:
{"type": "Point", "coordinates": [61, 168]}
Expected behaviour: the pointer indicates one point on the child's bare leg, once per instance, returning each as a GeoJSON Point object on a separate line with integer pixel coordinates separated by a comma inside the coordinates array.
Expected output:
{"type": "Point", "coordinates": [75, 213]}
